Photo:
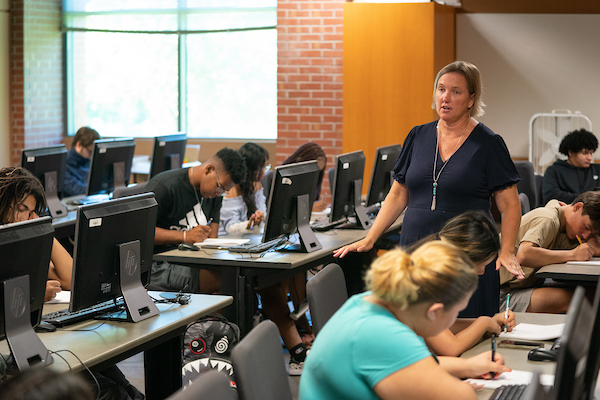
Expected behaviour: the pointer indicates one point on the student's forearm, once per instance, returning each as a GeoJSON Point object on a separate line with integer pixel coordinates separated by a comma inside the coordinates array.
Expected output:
{"type": "Point", "coordinates": [395, 202]}
{"type": "Point", "coordinates": [456, 366]}
{"type": "Point", "coordinates": [167, 236]}
{"type": "Point", "coordinates": [535, 257]}
{"type": "Point", "coordinates": [61, 267]}
{"type": "Point", "coordinates": [449, 344]}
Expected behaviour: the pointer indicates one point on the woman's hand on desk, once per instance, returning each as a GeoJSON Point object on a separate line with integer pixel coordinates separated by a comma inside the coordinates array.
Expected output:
{"type": "Point", "coordinates": [361, 246]}
{"type": "Point", "coordinates": [509, 261]}
{"type": "Point", "coordinates": [52, 288]}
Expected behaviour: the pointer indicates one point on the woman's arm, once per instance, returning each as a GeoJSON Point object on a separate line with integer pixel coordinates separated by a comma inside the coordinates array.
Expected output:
{"type": "Point", "coordinates": [395, 202]}
{"type": "Point", "coordinates": [509, 206]}
{"type": "Point", "coordinates": [61, 265]}
{"type": "Point", "coordinates": [424, 379]}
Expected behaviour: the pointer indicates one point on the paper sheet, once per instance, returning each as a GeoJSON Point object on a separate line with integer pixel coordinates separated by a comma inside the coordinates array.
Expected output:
{"type": "Point", "coordinates": [592, 262]}
{"type": "Point", "coordinates": [534, 332]}
{"type": "Point", "coordinates": [220, 243]}
{"type": "Point", "coordinates": [62, 297]}
{"type": "Point", "coordinates": [514, 377]}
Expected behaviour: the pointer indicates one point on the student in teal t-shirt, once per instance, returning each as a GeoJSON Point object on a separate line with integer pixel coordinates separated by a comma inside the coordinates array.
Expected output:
{"type": "Point", "coordinates": [373, 348]}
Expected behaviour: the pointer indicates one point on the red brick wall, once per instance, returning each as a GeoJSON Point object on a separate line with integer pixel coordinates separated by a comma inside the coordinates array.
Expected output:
{"type": "Point", "coordinates": [309, 76]}
{"type": "Point", "coordinates": [36, 75]}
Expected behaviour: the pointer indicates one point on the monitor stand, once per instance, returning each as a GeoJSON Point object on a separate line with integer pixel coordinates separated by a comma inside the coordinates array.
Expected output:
{"type": "Point", "coordinates": [362, 220]}
{"type": "Point", "coordinates": [175, 161]}
{"type": "Point", "coordinates": [26, 347]}
{"type": "Point", "coordinates": [138, 303]}
{"type": "Point", "coordinates": [119, 175]}
{"type": "Point", "coordinates": [57, 209]}
{"type": "Point", "coordinates": [308, 239]}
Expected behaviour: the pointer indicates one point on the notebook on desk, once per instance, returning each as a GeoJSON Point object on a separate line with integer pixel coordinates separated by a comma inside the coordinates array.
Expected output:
{"type": "Point", "coordinates": [220, 243]}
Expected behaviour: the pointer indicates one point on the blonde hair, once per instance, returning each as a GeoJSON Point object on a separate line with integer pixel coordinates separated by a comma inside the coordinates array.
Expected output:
{"type": "Point", "coordinates": [474, 84]}
{"type": "Point", "coordinates": [437, 271]}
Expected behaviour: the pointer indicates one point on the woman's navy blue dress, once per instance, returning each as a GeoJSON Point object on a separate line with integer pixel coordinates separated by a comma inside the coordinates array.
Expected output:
{"type": "Point", "coordinates": [477, 169]}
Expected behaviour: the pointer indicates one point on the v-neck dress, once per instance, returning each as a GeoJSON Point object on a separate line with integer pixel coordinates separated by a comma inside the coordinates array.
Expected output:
{"type": "Point", "coordinates": [479, 167]}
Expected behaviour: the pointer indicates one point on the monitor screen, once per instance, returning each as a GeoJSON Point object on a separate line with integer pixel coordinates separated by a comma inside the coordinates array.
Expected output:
{"type": "Point", "coordinates": [110, 165]}
{"type": "Point", "coordinates": [347, 189]}
{"type": "Point", "coordinates": [25, 249]}
{"type": "Point", "coordinates": [101, 230]}
{"type": "Point", "coordinates": [168, 153]}
{"type": "Point", "coordinates": [381, 176]}
{"type": "Point", "coordinates": [573, 352]}
{"type": "Point", "coordinates": [290, 204]}
{"type": "Point", "coordinates": [48, 164]}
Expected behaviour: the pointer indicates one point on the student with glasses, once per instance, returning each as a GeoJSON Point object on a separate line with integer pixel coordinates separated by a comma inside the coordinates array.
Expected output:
{"type": "Point", "coordinates": [189, 206]}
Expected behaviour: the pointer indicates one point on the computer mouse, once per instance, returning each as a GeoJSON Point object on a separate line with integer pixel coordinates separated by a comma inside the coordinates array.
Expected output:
{"type": "Point", "coordinates": [188, 247]}
{"type": "Point", "coordinates": [45, 327]}
{"type": "Point", "coordinates": [540, 354]}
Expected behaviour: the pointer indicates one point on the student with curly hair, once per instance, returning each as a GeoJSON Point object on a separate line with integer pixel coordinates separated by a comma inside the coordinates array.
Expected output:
{"type": "Point", "coordinates": [373, 347]}
{"type": "Point", "coordinates": [566, 179]}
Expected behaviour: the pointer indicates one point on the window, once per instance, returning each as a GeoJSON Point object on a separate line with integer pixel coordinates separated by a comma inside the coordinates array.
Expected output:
{"type": "Point", "coordinates": [153, 67]}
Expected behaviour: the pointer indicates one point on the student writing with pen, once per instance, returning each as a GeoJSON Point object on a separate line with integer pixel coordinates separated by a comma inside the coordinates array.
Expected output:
{"type": "Point", "coordinates": [552, 234]}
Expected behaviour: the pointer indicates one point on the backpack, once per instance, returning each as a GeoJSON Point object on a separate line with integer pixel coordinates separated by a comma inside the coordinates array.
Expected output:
{"type": "Point", "coordinates": [207, 345]}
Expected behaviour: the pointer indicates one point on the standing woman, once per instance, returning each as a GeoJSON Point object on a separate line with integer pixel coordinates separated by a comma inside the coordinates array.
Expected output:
{"type": "Point", "coordinates": [450, 166]}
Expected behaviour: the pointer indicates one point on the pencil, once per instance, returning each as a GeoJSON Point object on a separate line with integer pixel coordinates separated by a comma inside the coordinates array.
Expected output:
{"type": "Point", "coordinates": [578, 239]}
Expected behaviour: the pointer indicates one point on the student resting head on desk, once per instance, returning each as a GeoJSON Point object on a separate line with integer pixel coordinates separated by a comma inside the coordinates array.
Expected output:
{"type": "Point", "coordinates": [22, 198]}
{"type": "Point", "coordinates": [474, 233]}
{"type": "Point", "coordinates": [372, 347]}
{"type": "Point", "coordinates": [553, 234]}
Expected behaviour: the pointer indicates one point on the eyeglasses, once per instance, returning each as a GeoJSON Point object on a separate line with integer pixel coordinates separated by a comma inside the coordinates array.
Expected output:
{"type": "Point", "coordinates": [221, 187]}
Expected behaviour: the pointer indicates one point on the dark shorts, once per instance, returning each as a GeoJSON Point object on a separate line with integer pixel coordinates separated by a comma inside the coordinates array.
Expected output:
{"type": "Point", "coordinates": [175, 277]}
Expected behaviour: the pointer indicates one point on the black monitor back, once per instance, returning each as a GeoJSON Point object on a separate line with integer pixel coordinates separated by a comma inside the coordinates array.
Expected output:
{"type": "Point", "coordinates": [25, 249]}
{"type": "Point", "coordinates": [289, 182]}
{"type": "Point", "coordinates": [575, 342]}
{"type": "Point", "coordinates": [168, 153]}
{"type": "Point", "coordinates": [347, 187]}
{"type": "Point", "coordinates": [47, 159]}
{"type": "Point", "coordinates": [99, 230]}
{"type": "Point", "coordinates": [108, 153]}
{"type": "Point", "coordinates": [593, 360]}
{"type": "Point", "coordinates": [381, 176]}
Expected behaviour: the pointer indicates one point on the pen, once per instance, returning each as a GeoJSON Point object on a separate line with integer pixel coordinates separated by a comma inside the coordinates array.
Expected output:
{"type": "Point", "coordinates": [493, 353]}
{"type": "Point", "coordinates": [578, 239]}
{"type": "Point", "coordinates": [251, 224]}
{"type": "Point", "coordinates": [507, 309]}
{"type": "Point", "coordinates": [209, 222]}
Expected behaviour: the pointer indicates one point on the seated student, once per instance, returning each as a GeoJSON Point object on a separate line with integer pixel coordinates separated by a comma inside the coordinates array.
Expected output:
{"type": "Point", "coordinates": [22, 198]}
{"type": "Point", "coordinates": [243, 208]}
{"type": "Point", "coordinates": [189, 205]}
{"type": "Point", "coordinates": [550, 235]}
{"type": "Point", "coordinates": [44, 384]}
{"type": "Point", "coordinates": [78, 161]}
{"type": "Point", "coordinates": [476, 235]}
{"type": "Point", "coordinates": [565, 180]}
{"type": "Point", "coordinates": [373, 346]}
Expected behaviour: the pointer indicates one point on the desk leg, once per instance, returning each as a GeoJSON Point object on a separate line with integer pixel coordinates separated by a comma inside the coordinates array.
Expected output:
{"type": "Point", "coordinates": [162, 369]}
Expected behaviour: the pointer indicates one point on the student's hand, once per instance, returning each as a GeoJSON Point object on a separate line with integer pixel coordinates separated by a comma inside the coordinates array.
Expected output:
{"type": "Point", "coordinates": [583, 252]}
{"type": "Point", "coordinates": [52, 289]}
{"type": "Point", "coordinates": [256, 219]}
{"type": "Point", "coordinates": [361, 246]}
{"type": "Point", "coordinates": [499, 322]}
{"type": "Point", "coordinates": [509, 261]}
{"type": "Point", "coordinates": [319, 206]}
{"type": "Point", "coordinates": [593, 243]}
{"type": "Point", "coordinates": [481, 365]}
{"type": "Point", "coordinates": [198, 233]}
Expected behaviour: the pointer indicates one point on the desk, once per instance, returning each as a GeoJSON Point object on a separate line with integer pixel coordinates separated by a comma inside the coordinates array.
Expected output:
{"type": "Point", "coordinates": [571, 272]}
{"type": "Point", "coordinates": [517, 358]}
{"type": "Point", "coordinates": [159, 337]}
{"type": "Point", "coordinates": [242, 274]}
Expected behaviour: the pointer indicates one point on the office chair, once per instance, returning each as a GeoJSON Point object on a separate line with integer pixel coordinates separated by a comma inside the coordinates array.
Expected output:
{"type": "Point", "coordinates": [528, 184]}
{"type": "Point", "coordinates": [130, 190]}
{"type": "Point", "coordinates": [259, 365]}
{"type": "Point", "coordinates": [331, 176]}
{"type": "Point", "coordinates": [326, 292]}
{"type": "Point", "coordinates": [212, 385]}
{"type": "Point", "coordinates": [525, 205]}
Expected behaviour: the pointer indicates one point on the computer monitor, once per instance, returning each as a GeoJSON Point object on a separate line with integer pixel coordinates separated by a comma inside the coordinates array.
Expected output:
{"type": "Point", "coordinates": [110, 165]}
{"type": "Point", "coordinates": [48, 164]}
{"type": "Point", "coordinates": [347, 189]}
{"type": "Point", "coordinates": [114, 243]}
{"type": "Point", "coordinates": [573, 352]}
{"type": "Point", "coordinates": [593, 360]}
{"type": "Point", "coordinates": [168, 153]}
{"type": "Point", "coordinates": [290, 204]}
{"type": "Point", "coordinates": [382, 174]}
{"type": "Point", "coordinates": [25, 249]}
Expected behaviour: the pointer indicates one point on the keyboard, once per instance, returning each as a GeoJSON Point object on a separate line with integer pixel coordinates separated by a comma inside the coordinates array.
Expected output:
{"type": "Point", "coordinates": [253, 247]}
{"type": "Point", "coordinates": [508, 392]}
{"type": "Point", "coordinates": [63, 317]}
{"type": "Point", "coordinates": [326, 225]}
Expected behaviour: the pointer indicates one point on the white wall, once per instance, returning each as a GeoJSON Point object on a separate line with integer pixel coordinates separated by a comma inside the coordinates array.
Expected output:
{"type": "Point", "coordinates": [4, 84]}
{"type": "Point", "coordinates": [532, 63]}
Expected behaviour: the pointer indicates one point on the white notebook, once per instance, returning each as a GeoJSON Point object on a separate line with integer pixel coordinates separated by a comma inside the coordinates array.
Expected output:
{"type": "Point", "coordinates": [514, 377]}
{"type": "Point", "coordinates": [534, 332]}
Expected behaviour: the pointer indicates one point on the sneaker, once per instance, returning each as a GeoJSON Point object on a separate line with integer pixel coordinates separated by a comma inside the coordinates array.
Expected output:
{"type": "Point", "coordinates": [295, 367]}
